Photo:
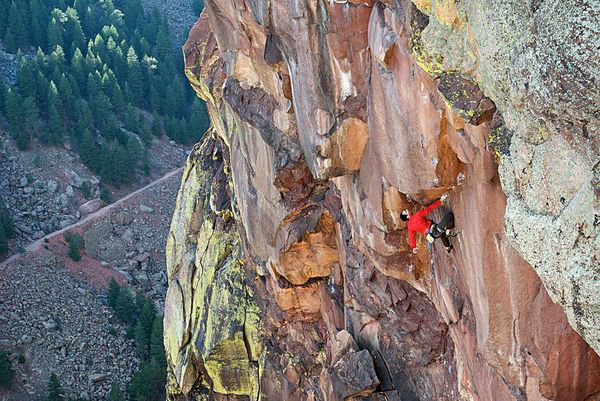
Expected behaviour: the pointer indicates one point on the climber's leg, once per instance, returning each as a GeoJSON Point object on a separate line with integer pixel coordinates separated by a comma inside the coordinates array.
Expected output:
{"type": "Point", "coordinates": [446, 243]}
{"type": "Point", "coordinates": [447, 222]}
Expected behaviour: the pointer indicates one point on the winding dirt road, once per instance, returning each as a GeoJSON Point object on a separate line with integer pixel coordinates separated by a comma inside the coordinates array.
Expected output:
{"type": "Point", "coordinates": [37, 244]}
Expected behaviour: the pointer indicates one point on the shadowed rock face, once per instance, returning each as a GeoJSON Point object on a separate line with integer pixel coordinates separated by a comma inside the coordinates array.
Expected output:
{"type": "Point", "coordinates": [291, 276]}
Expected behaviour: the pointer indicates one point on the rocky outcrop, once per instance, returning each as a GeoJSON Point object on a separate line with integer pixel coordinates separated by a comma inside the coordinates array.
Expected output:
{"type": "Point", "coordinates": [329, 118]}
{"type": "Point", "coordinates": [210, 319]}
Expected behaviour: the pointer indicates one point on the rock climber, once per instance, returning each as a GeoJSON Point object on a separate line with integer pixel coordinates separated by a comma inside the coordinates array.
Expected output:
{"type": "Point", "coordinates": [418, 223]}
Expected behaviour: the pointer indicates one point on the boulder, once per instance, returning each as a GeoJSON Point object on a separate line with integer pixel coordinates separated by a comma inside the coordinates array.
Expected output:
{"type": "Point", "coordinates": [97, 377]}
{"type": "Point", "coordinates": [90, 206]}
{"type": "Point", "coordinates": [50, 325]}
{"type": "Point", "coordinates": [52, 186]}
{"type": "Point", "coordinates": [146, 209]}
{"type": "Point", "coordinates": [352, 376]}
{"type": "Point", "coordinates": [63, 200]}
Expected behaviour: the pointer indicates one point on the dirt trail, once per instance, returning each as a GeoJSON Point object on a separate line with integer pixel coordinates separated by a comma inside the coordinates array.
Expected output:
{"type": "Point", "coordinates": [37, 244]}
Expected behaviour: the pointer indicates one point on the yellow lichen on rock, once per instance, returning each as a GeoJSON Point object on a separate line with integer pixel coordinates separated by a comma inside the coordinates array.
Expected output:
{"type": "Point", "coordinates": [230, 370]}
{"type": "Point", "coordinates": [212, 333]}
{"type": "Point", "coordinates": [423, 5]}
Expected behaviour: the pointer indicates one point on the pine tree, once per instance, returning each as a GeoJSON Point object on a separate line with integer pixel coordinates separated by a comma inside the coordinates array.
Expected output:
{"type": "Point", "coordinates": [157, 346]}
{"type": "Point", "coordinates": [3, 91]}
{"type": "Point", "coordinates": [55, 34]}
{"type": "Point", "coordinates": [3, 19]}
{"type": "Point", "coordinates": [66, 96]}
{"type": "Point", "coordinates": [121, 165]}
{"type": "Point", "coordinates": [117, 99]}
{"type": "Point", "coordinates": [39, 23]}
{"type": "Point", "coordinates": [163, 45]}
{"type": "Point", "coordinates": [74, 31]}
{"type": "Point", "coordinates": [54, 100]}
{"type": "Point", "coordinates": [13, 110]}
{"type": "Point", "coordinates": [84, 117]}
{"type": "Point", "coordinates": [40, 60]}
{"type": "Point", "coordinates": [157, 129]}
{"type": "Point", "coordinates": [9, 41]}
{"type": "Point", "coordinates": [175, 98]}
{"type": "Point", "coordinates": [105, 160]}
{"type": "Point", "coordinates": [3, 251]}
{"type": "Point", "coordinates": [57, 62]}
{"type": "Point", "coordinates": [101, 109]}
{"type": "Point", "coordinates": [74, 86]}
{"type": "Point", "coordinates": [42, 85]}
{"type": "Point", "coordinates": [26, 75]}
{"type": "Point", "coordinates": [135, 150]}
{"type": "Point", "coordinates": [89, 151]}
{"type": "Point", "coordinates": [54, 389]}
{"type": "Point", "coordinates": [30, 113]}
{"type": "Point", "coordinates": [55, 125]}
{"type": "Point", "coordinates": [199, 120]}
{"type": "Point", "coordinates": [130, 118]}
{"type": "Point", "coordinates": [115, 393]}
{"type": "Point", "coordinates": [112, 296]}
{"type": "Point", "coordinates": [134, 76]}
{"type": "Point", "coordinates": [148, 384]}
{"type": "Point", "coordinates": [143, 329]}
{"type": "Point", "coordinates": [145, 134]}
{"type": "Point", "coordinates": [93, 85]}
{"type": "Point", "coordinates": [78, 69]}
{"type": "Point", "coordinates": [17, 24]}
{"type": "Point", "coordinates": [124, 308]}
{"type": "Point", "coordinates": [119, 64]}
{"type": "Point", "coordinates": [6, 223]}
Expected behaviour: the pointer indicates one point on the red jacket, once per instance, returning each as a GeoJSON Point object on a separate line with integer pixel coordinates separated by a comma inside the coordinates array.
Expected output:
{"type": "Point", "coordinates": [418, 222]}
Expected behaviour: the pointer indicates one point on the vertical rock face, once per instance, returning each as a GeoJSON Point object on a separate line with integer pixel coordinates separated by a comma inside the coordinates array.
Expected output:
{"type": "Point", "coordinates": [291, 277]}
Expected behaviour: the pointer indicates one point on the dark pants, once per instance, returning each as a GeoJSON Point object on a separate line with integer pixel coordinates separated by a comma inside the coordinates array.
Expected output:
{"type": "Point", "coordinates": [439, 230]}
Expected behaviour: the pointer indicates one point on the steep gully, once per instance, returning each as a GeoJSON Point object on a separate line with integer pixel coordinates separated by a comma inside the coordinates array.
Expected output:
{"type": "Point", "coordinates": [289, 269]}
{"type": "Point", "coordinates": [37, 244]}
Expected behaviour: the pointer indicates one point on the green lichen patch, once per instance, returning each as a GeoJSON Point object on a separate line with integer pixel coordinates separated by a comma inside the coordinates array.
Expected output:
{"type": "Point", "coordinates": [430, 63]}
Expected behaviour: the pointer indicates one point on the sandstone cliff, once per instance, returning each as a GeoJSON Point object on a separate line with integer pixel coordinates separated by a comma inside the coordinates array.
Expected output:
{"type": "Point", "coordinates": [290, 275]}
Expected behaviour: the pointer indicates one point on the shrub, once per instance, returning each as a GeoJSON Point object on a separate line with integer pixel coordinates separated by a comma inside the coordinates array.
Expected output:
{"type": "Point", "coordinates": [86, 190]}
{"type": "Point", "coordinates": [7, 372]}
{"type": "Point", "coordinates": [76, 244]}
{"type": "Point", "coordinates": [105, 195]}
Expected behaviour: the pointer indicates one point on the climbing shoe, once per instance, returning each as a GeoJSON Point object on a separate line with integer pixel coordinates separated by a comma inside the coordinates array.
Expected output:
{"type": "Point", "coordinates": [448, 248]}
{"type": "Point", "coordinates": [451, 233]}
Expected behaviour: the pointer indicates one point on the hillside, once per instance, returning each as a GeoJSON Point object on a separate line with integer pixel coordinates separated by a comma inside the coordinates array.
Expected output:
{"type": "Point", "coordinates": [89, 91]}
{"type": "Point", "coordinates": [54, 311]}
